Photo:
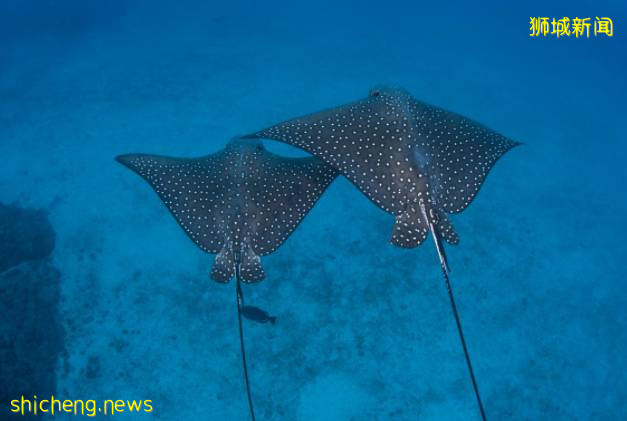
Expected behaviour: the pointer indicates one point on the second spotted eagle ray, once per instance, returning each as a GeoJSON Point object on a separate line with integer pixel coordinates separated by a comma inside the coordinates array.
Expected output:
{"type": "Point", "coordinates": [241, 203]}
{"type": "Point", "coordinates": [412, 159]}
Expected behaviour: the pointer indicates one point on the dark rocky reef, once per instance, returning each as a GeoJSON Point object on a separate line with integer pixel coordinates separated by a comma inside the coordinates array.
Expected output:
{"type": "Point", "coordinates": [31, 333]}
{"type": "Point", "coordinates": [25, 234]}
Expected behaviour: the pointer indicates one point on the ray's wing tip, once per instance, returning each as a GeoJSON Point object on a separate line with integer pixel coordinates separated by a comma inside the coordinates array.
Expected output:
{"type": "Point", "coordinates": [512, 143]}
{"type": "Point", "coordinates": [125, 159]}
{"type": "Point", "coordinates": [129, 159]}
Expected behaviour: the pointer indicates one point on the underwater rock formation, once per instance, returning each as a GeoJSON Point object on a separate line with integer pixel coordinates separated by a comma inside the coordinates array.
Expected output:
{"type": "Point", "coordinates": [25, 234]}
{"type": "Point", "coordinates": [31, 334]}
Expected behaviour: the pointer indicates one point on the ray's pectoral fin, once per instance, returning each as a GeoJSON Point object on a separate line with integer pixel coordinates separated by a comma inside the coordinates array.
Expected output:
{"type": "Point", "coordinates": [409, 230]}
{"type": "Point", "coordinates": [250, 266]}
{"type": "Point", "coordinates": [224, 265]}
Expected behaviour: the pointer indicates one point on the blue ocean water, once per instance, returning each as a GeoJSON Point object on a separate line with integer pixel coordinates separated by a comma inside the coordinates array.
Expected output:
{"type": "Point", "coordinates": [364, 330]}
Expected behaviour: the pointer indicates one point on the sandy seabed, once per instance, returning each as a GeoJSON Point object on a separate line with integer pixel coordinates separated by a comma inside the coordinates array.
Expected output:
{"type": "Point", "coordinates": [364, 330]}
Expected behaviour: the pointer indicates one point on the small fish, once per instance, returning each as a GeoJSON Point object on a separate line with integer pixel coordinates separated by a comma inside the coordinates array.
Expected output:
{"type": "Point", "coordinates": [257, 315]}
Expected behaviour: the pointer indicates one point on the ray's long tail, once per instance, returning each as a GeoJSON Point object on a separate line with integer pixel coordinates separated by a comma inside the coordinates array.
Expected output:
{"type": "Point", "coordinates": [240, 303]}
{"type": "Point", "coordinates": [445, 270]}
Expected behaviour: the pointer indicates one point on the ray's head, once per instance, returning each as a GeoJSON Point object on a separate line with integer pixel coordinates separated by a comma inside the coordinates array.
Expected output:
{"type": "Point", "coordinates": [387, 91]}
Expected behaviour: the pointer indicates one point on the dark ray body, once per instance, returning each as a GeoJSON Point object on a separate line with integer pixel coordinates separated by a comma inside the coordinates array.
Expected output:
{"type": "Point", "coordinates": [414, 160]}
{"type": "Point", "coordinates": [240, 202]}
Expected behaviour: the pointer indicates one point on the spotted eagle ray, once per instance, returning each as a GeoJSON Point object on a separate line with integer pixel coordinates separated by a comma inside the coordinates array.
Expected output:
{"type": "Point", "coordinates": [241, 203]}
{"type": "Point", "coordinates": [416, 161]}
